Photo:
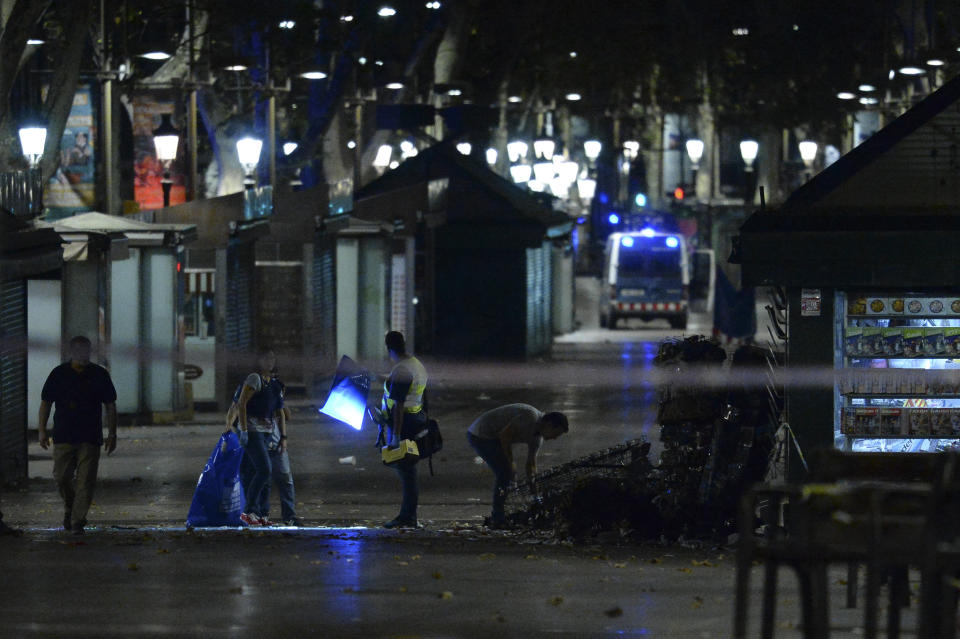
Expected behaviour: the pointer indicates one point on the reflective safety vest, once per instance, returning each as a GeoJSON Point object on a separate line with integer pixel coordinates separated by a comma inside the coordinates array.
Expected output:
{"type": "Point", "coordinates": [413, 403]}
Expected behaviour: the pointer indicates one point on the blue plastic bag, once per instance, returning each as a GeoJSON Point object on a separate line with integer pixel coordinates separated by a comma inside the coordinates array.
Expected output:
{"type": "Point", "coordinates": [218, 499]}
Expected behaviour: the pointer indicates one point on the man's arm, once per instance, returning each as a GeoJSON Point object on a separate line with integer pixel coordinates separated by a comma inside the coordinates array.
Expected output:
{"type": "Point", "coordinates": [232, 413]}
{"type": "Point", "coordinates": [111, 444]}
{"type": "Point", "coordinates": [245, 396]}
{"type": "Point", "coordinates": [42, 419]}
{"type": "Point", "coordinates": [531, 466]}
{"type": "Point", "coordinates": [282, 423]}
{"type": "Point", "coordinates": [396, 424]}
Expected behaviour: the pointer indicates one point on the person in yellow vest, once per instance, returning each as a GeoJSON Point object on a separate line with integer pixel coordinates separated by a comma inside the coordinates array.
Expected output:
{"type": "Point", "coordinates": [403, 412]}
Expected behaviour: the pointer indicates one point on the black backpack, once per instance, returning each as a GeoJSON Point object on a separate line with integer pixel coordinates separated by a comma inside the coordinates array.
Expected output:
{"type": "Point", "coordinates": [429, 441]}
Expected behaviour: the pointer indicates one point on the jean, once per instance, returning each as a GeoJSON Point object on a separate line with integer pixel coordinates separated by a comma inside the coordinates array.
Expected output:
{"type": "Point", "coordinates": [258, 468]}
{"type": "Point", "coordinates": [283, 478]}
{"type": "Point", "coordinates": [413, 423]}
{"type": "Point", "coordinates": [75, 471]}
{"type": "Point", "coordinates": [492, 453]}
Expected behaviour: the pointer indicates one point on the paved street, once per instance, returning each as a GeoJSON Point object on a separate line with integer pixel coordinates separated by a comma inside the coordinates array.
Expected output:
{"type": "Point", "coordinates": [142, 573]}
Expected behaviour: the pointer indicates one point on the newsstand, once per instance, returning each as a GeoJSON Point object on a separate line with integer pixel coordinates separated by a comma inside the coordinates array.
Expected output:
{"type": "Point", "coordinates": [865, 257]}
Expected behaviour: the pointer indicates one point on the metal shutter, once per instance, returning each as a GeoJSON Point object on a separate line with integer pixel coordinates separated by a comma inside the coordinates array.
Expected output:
{"type": "Point", "coordinates": [238, 337]}
{"type": "Point", "coordinates": [13, 381]}
{"type": "Point", "coordinates": [539, 300]}
{"type": "Point", "coordinates": [324, 307]}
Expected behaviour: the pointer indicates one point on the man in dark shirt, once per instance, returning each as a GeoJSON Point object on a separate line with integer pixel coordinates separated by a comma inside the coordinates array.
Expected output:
{"type": "Point", "coordinates": [77, 389]}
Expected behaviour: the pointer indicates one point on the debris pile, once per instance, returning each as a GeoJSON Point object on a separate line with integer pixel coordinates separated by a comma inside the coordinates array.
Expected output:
{"type": "Point", "coordinates": [717, 439]}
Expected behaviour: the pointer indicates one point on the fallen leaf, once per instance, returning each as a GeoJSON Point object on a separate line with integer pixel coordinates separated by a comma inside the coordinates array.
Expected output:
{"type": "Point", "coordinates": [403, 563]}
{"type": "Point", "coordinates": [531, 557]}
{"type": "Point", "coordinates": [705, 562]}
{"type": "Point", "coordinates": [416, 558]}
{"type": "Point", "coordinates": [841, 582]}
{"type": "Point", "coordinates": [600, 557]}
{"type": "Point", "coordinates": [437, 575]}
{"type": "Point", "coordinates": [402, 589]}
{"type": "Point", "coordinates": [685, 569]}
{"type": "Point", "coordinates": [655, 560]}
{"type": "Point", "coordinates": [446, 594]}
{"type": "Point", "coordinates": [623, 565]}
{"type": "Point", "coordinates": [163, 551]}
{"type": "Point", "coordinates": [485, 556]}
{"type": "Point", "coordinates": [697, 602]}
{"type": "Point", "coordinates": [556, 601]}
{"type": "Point", "coordinates": [133, 566]}
{"type": "Point", "coordinates": [616, 611]}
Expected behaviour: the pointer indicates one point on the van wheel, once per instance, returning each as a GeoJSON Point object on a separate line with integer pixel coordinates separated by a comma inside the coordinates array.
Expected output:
{"type": "Point", "coordinates": [612, 321]}
{"type": "Point", "coordinates": [679, 322]}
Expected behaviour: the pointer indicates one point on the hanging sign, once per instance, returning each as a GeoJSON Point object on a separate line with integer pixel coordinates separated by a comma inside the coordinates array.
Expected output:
{"type": "Point", "coordinates": [810, 302]}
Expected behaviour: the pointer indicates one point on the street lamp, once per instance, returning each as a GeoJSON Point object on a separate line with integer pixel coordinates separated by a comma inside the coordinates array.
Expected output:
{"type": "Point", "coordinates": [520, 173]}
{"type": "Point", "coordinates": [543, 172]}
{"type": "Point", "coordinates": [517, 150]}
{"type": "Point", "coordinates": [382, 159]}
{"type": "Point", "coordinates": [748, 151]}
{"type": "Point", "coordinates": [631, 149]}
{"type": "Point", "coordinates": [491, 156]}
{"type": "Point", "coordinates": [464, 148]}
{"type": "Point", "coordinates": [586, 187]}
{"type": "Point", "coordinates": [166, 139]}
{"type": "Point", "coordinates": [808, 153]}
{"type": "Point", "coordinates": [591, 148]}
{"type": "Point", "coordinates": [568, 171]}
{"type": "Point", "coordinates": [543, 148]}
{"type": "Point", "coordinates": [248, 151]}
{"type": "Point", "coordinates": [32, 138]}
{"type": "Point", "coordinates": [695, 151]}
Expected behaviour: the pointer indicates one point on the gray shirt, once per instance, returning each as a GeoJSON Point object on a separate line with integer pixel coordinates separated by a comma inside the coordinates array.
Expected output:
{"type": "Point", "coordinates": [522, 418]}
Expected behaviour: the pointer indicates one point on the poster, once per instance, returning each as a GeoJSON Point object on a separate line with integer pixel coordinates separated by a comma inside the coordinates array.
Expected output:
{"type": "Point", "coordinates": [72, 189]}
{"type": "Point", "coordinates": [148, 172]}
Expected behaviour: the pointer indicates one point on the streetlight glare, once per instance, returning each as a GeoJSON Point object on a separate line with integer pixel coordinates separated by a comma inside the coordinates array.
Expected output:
{"type": "Point", "coordinates": [394, 85]}
{"type": "Point", "coordinates": [156, 55]}
{"type": "Point", "coordinates": [543, 148]}
{"type": "Point", "coordinates": [520, 173]}
{"type": "Point", "coordinates": [248, 151]}
{"type": "Point", "coordinates": [867, 88]}
{"type": "Point", "coordinates": [287, 24]}
{"type": "Point", "coordinates": [235, 67]}
{"type": "Point", "coordinates": [587, 187]}
{"type": "Point", "coordinates": [491, 156]}
{"type": "Point", "coordinates": [386, 12]}
{"type": "Point", "coordinates": [911, 70]}
{"type": "Point", "coordinates": [513, 99]}
{"type": "Point", "coordinates": [846, 95]}
{"type": "Point", "coordinates": [166, 139]}
{"type": "Point", "coordinates": [313, 75]}
{"type": "Point", "coordinates": [573, 97]}
{"type": "Point", "coordinates": [32, 140]}
{"type": "Point", "coordinates": [591, 149]}
{"type": "Point", "coordinates": [352, 144]}
{"type": "Point", "coordinates": [695, 150]}
{"type": "Point", "coordinates": [464, 148]}
{"type": "Point", "coordinates": [289, 147]}
{"type": "Point", "coordinates": [748, 151]}
{"type": "Point", "coordinates": [544, 171]}
{"type": "Point", "coordinates": [382, 159]}
{"type": "Point", "coordinates": [808, 151]}
{"type": "Point", "coordinates": [517, 150]}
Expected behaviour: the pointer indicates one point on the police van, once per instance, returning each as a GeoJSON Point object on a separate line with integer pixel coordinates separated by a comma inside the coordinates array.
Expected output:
{"type": "Point", "coordinates": [646, 274]}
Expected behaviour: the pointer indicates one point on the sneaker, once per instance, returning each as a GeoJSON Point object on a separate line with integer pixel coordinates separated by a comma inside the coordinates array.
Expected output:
{"type": "Point", "coordinates": [77, 528]}
{"type": "Point", "coordinates": [265, 522]}
{"type": "Point", "coordinates": [402, 523]}
{"type": "Point", "coordinates": [66, 521]}
{"type": "Point", "coordinates": [250, 520]}
{"type": "Point", "coordinates": [293, 522]}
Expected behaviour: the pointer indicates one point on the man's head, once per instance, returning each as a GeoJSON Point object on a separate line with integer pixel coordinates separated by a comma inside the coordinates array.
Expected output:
{"type": "Point", "coordinates": [80, 348]}
{"type": "Point", "coordinates": [396, 345]}
{"type": "Point", "coordinates": [266, 360]}
{"type": "Point", "coordinates": [81, 138]}
{"type": "Point", "coordinates": [552, 425]}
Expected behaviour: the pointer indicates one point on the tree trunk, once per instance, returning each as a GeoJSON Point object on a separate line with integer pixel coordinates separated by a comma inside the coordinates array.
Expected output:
{"type": "Point", "coordinates": [63, 84]}
{"type": "Point", "coordinates": [707, 130]}
{"type": "Point", "coordinates": [768, 176]}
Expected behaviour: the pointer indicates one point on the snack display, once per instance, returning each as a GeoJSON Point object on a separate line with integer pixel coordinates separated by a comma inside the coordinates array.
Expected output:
{"type": "Point", "coordinates": [853, 341]}
{"type": "Point", "coordinates": [877, 305]}
{"type": "Point", "coordinates": [913, 342]}
{"type": "Point", "coordinates": [892, 341]}
{"type": "Point", "coordinates": [872, 340]}
{"type": "Point", "coordinates": [951, 340]}
{"type": "Point", "coordinates": [903, 382]}
{"type": "Point", "coordinates": [900, 422]}
{"type": "Point", "coordinates": [933, 341]}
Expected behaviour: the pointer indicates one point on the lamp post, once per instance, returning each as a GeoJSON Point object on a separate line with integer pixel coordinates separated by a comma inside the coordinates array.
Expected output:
{"type": "Point", "coordinates": [248, 151]}
{"type": "Point", "coordinates": [33, 136]}
{"type": "Point", "coordinates": [166, 139]}
{"type": "Point", "coordinates": [808, 153]}
{"type": "Point", "coordinates": [748, 151]}
{"type": "Point", "coordinates": [591, 148]}
{"type": "Point", "coordinates": [695, 152]}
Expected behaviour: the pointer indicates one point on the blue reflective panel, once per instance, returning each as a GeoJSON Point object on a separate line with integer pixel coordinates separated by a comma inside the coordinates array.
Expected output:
{"type": "Point", "coordinates": [604, 198]}
{"type": "Point", "coordinates": [672, 242]}
{"type": "Point", "coordinates": [640, 200]}
{"type": "Point", "coordinates": [347, 404]}
{"type": "Point", "coordinates": [614, 218]}
{"type": "Point", "coordinates": [627, 241]}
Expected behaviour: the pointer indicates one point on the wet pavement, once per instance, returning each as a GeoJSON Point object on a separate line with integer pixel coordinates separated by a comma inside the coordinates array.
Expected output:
{"type": "Point", "coordinates": [138, 572]}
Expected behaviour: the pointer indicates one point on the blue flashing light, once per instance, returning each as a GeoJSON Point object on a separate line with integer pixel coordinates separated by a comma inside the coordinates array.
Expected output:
{"type": "Point", "coordinates": [672, 242]}
{"type": "Point", "coordinates": [640, 200]}
{"type": "Point", "coordinates": [613, 218]}
{"type": "Point", "coordinates": [648, 232]}
{"type": "Point", "coordinates": [346, 403]}
{"type": "Point", "coordinates": [627, 241]}
{"type": "Point", "coordinates": [603, 198]}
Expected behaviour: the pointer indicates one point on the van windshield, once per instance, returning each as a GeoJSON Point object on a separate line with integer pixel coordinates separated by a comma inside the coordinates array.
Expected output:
{"type": "Point", "coordinates": [657, 263]}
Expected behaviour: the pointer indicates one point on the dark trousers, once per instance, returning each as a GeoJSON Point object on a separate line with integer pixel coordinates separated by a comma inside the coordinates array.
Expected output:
{"type": "Point", "coordinates": [75, 471]}
{"type": "Point", "coordinates": [258, 469]}
{"type": "Point", "coordinates": [413, 423]}
{"type": "Point", "coordinates": [283, 478]}
{"type": "Point", "coordinates": [492, 453]}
